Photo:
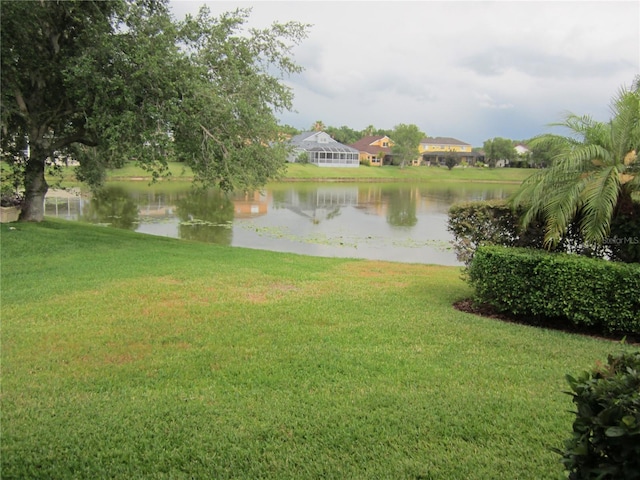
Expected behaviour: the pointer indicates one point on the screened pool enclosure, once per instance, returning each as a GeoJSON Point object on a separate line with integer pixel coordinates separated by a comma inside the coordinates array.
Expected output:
{"type": "Point", "coordinates": [322, 150]}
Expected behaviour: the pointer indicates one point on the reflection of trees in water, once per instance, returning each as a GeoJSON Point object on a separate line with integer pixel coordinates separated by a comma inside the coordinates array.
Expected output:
{"type": "Point", "coordinates": [205, 216]}
{"type": "Point", "coordinates": [444, 197]}
{"type": "Point", "coordinates": [401, 210]}
{"type": "Point", "coordinates": [449, 196]}
{"type": "Point", "coordinates": [333, 213]}
{"type": "Point", "coordinates": [114, 206]}
{"type": "Point", "coordinates": [456, 195]}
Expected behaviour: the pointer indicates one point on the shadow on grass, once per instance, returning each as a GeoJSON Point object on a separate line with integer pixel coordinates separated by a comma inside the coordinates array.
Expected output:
{"type": "Point", "coordinates": [561, 324]}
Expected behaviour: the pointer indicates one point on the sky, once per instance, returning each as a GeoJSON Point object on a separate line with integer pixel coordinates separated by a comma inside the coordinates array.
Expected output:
{"type": "Point", "coordinates": [471, 70]}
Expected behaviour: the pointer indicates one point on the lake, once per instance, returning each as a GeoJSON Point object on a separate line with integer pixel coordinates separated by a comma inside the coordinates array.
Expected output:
{"type": "Point", "coordinates": [403, 222]}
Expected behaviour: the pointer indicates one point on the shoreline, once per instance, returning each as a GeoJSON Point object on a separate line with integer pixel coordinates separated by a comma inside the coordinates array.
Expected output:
{"type": "Point", "coordinates": [327, 179]}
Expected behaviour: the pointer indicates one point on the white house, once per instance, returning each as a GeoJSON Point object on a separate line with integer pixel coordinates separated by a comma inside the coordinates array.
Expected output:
{"type": "Point", "coordinates": [322, 150]}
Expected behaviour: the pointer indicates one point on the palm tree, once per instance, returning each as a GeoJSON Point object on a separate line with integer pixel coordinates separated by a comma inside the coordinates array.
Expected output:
{"type": "Point", "coordinates": [369, 131]}
{"type": "Point", "coordinates": [594, 176]}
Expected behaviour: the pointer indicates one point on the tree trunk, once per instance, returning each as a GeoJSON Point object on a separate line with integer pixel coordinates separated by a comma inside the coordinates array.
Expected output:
{"type": "Point", "coordinates": [35, 186]}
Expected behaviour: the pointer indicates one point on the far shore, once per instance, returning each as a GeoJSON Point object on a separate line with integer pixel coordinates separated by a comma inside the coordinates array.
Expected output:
{"type": "Point", "coordinates": [178, 172]}
{"type": "Point", "coordinates": [313, 173]}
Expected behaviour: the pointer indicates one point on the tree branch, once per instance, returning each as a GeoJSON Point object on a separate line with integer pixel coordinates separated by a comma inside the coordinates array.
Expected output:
{"type": "Point", "coordinates": [22, 105]}
{"type": "Point", "coordinates": [77, 137]}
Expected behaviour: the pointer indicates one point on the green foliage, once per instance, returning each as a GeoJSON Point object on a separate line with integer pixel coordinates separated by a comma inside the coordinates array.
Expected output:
{"type": "Point", "coordinates": [594, 176]}
{"type": "Point", "coordinates": [406, 140]}
{"type": "Point", "coordinates": [344, 134]}
{"type": "Point", "coordinates": [605, 443]}
{"type": "Point", "coordinates": [499, 149]}
{"type": "Point", "coordinates": [497, 223]}
{"type": "Point", "coordinates": [494, 222]}
{"type": "Point", "coordinates": [450, 161]}
{"type": "Point", "coordinates": [110, 81]}
{"type": "Point", "coordinates": [303, 158]}
{"type": "Point", "coordinates": [476, 223]}
{"type": "Point", "coordinates": [542, 154]}
{"type": "Point", "coordinates": [587, 292]}
{"type": "Point", "coordinates": [10, 180]}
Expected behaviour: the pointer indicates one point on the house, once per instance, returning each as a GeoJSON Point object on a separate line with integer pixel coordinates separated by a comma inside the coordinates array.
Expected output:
{"type": "Point", "coordinates": [322, 150]}
{"type": "Point", "coordinates": [434, 150]}
{"type": "Point", "coordinates": [522, 150]}
{"type": "Point", "coordinates": [374, 149]}
{"type": "Point", "coordinates": [525, 156]}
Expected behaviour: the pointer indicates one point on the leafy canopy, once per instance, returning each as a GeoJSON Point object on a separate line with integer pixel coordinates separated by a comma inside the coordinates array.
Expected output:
{"type": "Point", "coordinates": [406, 140]}
{"type": "Point", "coordinates": [108, 81]}
{"type": "Point", "coordinates": [499, 149]}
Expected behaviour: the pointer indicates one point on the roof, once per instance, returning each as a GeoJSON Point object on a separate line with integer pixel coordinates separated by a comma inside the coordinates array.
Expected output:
{"type": "Point", "coordinates": [453, 154]}
{"type": "Point", "coordinates": [302, 137]}
{"type": "Point", "coordinates": [365, 145]}
{"type": "Point", "coordinates": [442, 141]}
{"type": "Point", "coordinates": [319, 142]}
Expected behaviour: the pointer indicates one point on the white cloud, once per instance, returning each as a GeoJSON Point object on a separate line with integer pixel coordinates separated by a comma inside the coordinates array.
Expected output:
{"type": "Point", "coordinates": [467, 69]}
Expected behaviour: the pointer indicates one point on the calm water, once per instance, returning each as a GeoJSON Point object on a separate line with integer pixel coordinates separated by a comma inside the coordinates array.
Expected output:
{"type": "Point", "coordinates": [378, 221]}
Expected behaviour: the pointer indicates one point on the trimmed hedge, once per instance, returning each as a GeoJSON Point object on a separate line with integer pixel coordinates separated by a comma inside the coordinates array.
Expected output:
{"type": "Point", "coordinates": [585, 291]}
{"type": "Point", "coordinates": [606, 430]}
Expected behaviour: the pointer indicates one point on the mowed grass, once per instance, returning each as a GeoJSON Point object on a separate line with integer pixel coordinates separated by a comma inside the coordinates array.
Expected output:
{"type": "Point", "coordinates": [414, 174]}
{"type": "Point", "coordinates": [129, 356]}
{"type": "Point", "coordinates": [309, 172]}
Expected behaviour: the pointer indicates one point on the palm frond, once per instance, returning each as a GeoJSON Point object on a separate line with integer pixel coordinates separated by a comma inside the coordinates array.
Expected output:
{"type": "Point", "coordinates": [581, 159]}
{"type": "Point", "coordinates": [563, 202]}
{"type": "Point", "coordinates": [600, 198]}
{"type": "Point", "coordinates": [626, 121]}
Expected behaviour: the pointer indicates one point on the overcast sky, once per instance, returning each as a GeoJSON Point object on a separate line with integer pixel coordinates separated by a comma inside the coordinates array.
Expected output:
{"type": "Point", "coordinates": [472, 70]}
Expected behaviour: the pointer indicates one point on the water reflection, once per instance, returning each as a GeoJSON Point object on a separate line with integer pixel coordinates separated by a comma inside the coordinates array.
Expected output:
{"type": "Point", "coordinates": [396, 222]}
{"type": "Point", "coordinates": [316, 203]}
{"type": "Point", "coordinates": [112, 206]}
{"type": "Point", "coordinates": [205, 216]}
{"type": "Point", "coordinates": [402, 207]}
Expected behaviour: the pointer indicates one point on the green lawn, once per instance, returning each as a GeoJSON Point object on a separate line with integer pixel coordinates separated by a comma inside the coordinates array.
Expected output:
{"type": "Point", "coordinates": [416, 174]}
{"type": "Point", "coordinates": [307, 172]}
{"type": "Point", "coordinates": [130, 356]}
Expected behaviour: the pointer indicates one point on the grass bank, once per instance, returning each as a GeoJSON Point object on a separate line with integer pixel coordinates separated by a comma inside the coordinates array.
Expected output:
{"type": "Point", "coordinates": [314, 173]}
{"type": "Point", "coordinates": [413, 174]}
{"type": "Point", "coordinates": [130, 356]}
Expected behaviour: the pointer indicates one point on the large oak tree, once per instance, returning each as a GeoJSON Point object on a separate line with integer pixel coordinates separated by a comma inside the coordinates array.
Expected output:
{"type": "Point", "coordinates": [107, 81]}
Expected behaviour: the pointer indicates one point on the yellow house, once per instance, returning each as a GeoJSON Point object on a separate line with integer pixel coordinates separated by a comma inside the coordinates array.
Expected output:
{"type": "Point", "coordinates": [374, 149]}
{"type": "Point", "coordinates": [435, 149]}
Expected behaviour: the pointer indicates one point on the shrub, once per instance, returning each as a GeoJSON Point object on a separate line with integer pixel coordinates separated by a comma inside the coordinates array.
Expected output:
{"type": "Point", "coordinates": [593, 293]}
{"type": "Point", "coordinates": [490, 222]}
{"type": "Point", "coordinates": [450, 162]}
{"type": "Point", "coordinates": [605, 443]}
{"type": "Point", "coordinates": [494, 222]}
